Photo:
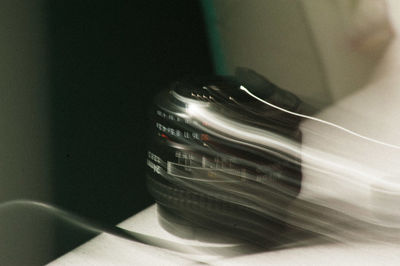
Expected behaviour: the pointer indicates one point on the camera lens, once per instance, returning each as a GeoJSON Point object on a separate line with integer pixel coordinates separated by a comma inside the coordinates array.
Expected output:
{"type": "Point", "coordinates": [221, 159]}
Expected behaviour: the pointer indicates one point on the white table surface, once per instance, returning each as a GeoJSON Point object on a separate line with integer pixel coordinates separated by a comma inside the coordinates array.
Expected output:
{"type": "Point", "coordinates": [110, 250]}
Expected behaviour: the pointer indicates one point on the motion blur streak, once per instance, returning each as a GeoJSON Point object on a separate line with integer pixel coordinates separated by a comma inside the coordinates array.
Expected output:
{"type": "Point", "coordinates": [243, 156]}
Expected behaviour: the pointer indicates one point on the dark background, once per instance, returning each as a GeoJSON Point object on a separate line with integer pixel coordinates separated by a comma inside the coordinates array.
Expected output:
{"type": "Point", "coordinates": [108, 60]}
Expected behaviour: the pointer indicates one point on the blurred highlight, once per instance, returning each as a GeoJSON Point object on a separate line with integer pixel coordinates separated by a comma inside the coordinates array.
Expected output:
{"type": "Point", "coordinates": [240, 155]}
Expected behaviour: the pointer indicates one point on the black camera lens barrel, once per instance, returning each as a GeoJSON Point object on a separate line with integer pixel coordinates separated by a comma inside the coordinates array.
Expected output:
{"type": "Point", "coordinates": [197, 169]}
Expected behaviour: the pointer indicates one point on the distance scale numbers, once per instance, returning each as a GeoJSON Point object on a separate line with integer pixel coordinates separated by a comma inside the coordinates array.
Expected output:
{"type": "Point", "coordinates": [191, 165]}
{"type": "Point", "coordinates": [167, 131]}
{"type": "Point", "coordinates": [168, 118]}
{"type": "Point", "coordinates": [188, 162]}
{"type": "Point", "coordinates": [171, 117]}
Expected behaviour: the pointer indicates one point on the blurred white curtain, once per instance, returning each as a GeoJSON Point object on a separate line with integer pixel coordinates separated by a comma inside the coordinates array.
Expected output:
{"type": "Point", "coordinates": [320, 50]}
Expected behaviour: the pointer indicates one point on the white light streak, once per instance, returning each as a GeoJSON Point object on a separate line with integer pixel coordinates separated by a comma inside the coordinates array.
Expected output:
{"type": "Point", "coordinates": [320, 121]}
